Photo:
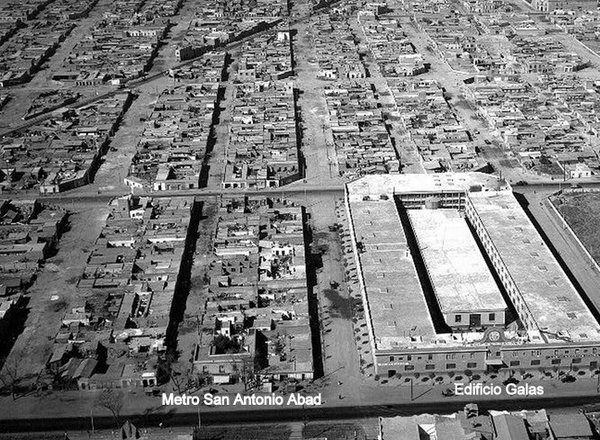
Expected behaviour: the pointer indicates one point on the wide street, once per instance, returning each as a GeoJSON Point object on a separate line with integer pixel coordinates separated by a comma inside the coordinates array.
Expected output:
{"type": "Point", "coordinates": [373, 400]}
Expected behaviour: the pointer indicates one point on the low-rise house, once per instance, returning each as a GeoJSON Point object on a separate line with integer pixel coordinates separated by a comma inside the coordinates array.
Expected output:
{"type": "Point", "coordinates": [256, 317]}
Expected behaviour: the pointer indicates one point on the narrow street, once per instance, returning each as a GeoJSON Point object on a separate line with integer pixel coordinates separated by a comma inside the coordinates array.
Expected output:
{"type": "Point", "coordinates": [55, 289]}
{"type": "Point", "coordinates": [317, 147]}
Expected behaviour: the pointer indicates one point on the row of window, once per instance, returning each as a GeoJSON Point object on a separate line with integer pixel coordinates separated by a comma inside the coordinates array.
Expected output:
{"type": "Point", "coordinates": [450, 356]}
{"type": "Point", "coordinates": [450, 366]}
{"type": "Point", "coordinates": [557, 352]}
{"type": "Point", "coordinates": [442, 195]}
{"type": "Point", "coordinates": [473, 365]}
{"type": "Point", "coordinates": [491, 317]}
{"type": "Point", "coordinates": [535, 362]}
{"type": "Point", "coordinates": [409, 357]}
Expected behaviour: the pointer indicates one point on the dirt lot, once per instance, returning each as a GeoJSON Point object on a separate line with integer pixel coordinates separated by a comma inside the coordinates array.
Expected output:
{"type": "Point", "coordinates": [188, 329]}
{"type": "Point", "coordinates": [59, 278]}
{"type": "Point", "coordinates": [317, 145]}
{"type": "Point", "coordinates": [123, 146]}
{"type": "Point", "coordinates": [582, 213]}
{"type": "Point", "coordinates": [218, 155]}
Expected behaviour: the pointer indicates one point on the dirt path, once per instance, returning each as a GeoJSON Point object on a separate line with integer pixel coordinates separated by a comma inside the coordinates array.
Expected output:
{"type": "Point", "coordinates": [58, 278]}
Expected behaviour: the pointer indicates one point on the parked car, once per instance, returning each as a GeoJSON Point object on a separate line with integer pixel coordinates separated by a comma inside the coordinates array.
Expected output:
{"type": "Point", "coordinates": [448, 392]}
{"type": "Point", "coordinates": [567, 378]}
{"type": "Point", "coordinates": [511, 380]}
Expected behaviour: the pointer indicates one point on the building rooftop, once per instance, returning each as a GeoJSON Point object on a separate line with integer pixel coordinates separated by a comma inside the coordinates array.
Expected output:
{"type": "Point", "coordinates": [552, 309]}
{"type": "Point", "coordinates": [376, 185]}
{"type": "Point", "coordinates": [547, 292]}
{"type": "Point", "coordinates": [397, 304]}
{"type": "Point", "coordinates": [458, 272]}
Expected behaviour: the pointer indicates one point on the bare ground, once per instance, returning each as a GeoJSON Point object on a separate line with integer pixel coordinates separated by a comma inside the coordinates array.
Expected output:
{"type": "Point", "coordinates": [59, 278]}
{"type": "Point", "coordinates": [582, 213]}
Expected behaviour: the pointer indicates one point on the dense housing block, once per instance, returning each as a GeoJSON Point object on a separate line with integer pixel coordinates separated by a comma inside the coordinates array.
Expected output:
{"type": "Point", "coordinates": [256, 320]}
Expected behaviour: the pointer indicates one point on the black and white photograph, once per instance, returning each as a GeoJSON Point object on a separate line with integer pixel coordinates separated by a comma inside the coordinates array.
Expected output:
{"type": "Point", "coordinates": [299, 219]}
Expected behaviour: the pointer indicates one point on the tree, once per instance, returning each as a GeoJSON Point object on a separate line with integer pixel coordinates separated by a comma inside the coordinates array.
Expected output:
{"type": "Point", "coordinates": [223, 344]}
{"type": "Point", "coordinates": [235, 369]}
{"type": "Point", "coordinates": [247, 372]}
{"type": "Point", "coordinates": [163, 367]}
{"type": "Point", "coordinates": [179, 376]}
{"type": "Point", "coordinates": [201, 379]}
{"type": "Point", "coordinates": [244, 370]}
{"type": "Point", "coordinates": [112, 400]}
{"type": "Point", "coordinates": [11, 373]}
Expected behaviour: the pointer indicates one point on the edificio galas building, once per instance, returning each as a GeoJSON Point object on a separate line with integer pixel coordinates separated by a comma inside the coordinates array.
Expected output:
{"type": "Point", "coordinates": [552, 5]}
{"type": "Point", "coordinates": [454, 277]}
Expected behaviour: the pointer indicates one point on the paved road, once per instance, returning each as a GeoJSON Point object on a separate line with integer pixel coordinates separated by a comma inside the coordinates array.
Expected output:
{"type": "Point", "coordinates": [285, 414]}
{"type": "Point", "coordinates": [92, 193]}
{"type": "Point", "coordinates": [87, 195]}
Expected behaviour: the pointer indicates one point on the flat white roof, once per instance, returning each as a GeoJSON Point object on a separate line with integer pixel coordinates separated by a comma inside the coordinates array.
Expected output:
{"type": "Point", "coordinates": [458, 272]}
{"type": "Point", "coordinates": [399, 312]}
{"type": "Point", "coordinates": [546, 290]}
{"type": "Point", "coordinates": [396, 301]}
{"type": "Point", "coordinates": [375, 185]}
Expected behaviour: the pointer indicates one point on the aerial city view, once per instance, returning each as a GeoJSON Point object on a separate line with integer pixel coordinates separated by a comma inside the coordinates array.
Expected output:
{"type": "Point", "coordinates": [299, 219]}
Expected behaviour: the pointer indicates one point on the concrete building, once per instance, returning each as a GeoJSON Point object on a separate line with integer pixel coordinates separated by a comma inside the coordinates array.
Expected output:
{"type": "Point", "coordinates": [553, 328]}
{"type": "Point", "coordinates": [573, 5]}
{"type": "Point", "coordinates": [465, 290]}
{"type": "Point", "coordinates": [579, 171]}
{"type": "Point", "coordinates": [472, 423]}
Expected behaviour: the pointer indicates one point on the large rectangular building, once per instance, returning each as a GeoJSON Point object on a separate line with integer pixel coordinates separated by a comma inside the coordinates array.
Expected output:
{"type": "Point", "coordinates": [466, 292]}
{"type": "Point", "coordinates": [555, 329]}
{"type": "Point", "coordinates": [543, 296]}
{"type": "Point", "coordinates": [390, 284]}
{"type": "Point", "coordinates": [568, 5]}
